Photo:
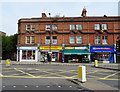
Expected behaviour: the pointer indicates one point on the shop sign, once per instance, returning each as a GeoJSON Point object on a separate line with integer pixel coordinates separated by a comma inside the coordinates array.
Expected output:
{"type": "Point", "coordinates": [69, 47]}
{"type": "Point", "coordinates": [80, 48]}
{"type": "Point", "coordinates": [27, 48]}
{"type": "Point", "coordinates": [52, 47]}
{"type": "Point", "coordinates": [102, 49]}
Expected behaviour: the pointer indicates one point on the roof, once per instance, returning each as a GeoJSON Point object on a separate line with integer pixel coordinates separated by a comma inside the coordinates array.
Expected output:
{"type": "Point", "coordinates": [71, 19]}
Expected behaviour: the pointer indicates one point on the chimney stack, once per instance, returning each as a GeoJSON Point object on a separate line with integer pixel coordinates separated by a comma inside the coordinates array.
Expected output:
{"type": "Point", "coordinates": [43, 15]}
{"type": "Point", "coordinates": [84, 12]}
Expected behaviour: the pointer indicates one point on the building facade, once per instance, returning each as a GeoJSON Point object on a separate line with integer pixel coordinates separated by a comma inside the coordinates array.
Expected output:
{"type": "Point", "coordinates": [68, 38]}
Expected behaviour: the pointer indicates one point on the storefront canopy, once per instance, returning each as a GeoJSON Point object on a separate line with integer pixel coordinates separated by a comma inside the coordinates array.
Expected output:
{"type": "Point", "coordinates": [74, 51]}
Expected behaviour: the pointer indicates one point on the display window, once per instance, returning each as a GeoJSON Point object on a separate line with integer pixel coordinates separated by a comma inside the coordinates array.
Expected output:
{"type": "Point", "coordinates": [102, 57]}
{"type": "Point", "coordinates": [28, 54]}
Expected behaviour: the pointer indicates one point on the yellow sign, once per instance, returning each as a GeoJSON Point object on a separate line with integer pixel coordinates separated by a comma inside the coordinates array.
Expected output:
{"type": "Point", "coordinates": [69, 47]}
{"type": "Point", "coordinates": [52, 47]}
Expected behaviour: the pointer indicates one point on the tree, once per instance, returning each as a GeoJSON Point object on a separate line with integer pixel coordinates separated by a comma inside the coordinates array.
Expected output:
{"type": "Point", "coordinates": [9, 46]}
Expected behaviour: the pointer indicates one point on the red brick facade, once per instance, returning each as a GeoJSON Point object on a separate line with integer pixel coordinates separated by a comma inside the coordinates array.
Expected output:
{"type": "Point", "coordinates": [63, 31]}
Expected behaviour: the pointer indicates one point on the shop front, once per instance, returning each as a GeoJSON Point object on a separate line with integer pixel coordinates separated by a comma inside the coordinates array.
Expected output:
{"type": "Point", "coordinates": [56, 52]}
{"type": "Point", "coordinates": [27, 54]}
{"type": "Point", "coordinates": [105, 54]}
{"type": "Point", "coordinates": [76, 54]}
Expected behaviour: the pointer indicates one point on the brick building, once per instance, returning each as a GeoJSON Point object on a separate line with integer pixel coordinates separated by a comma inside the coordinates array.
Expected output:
{"type": "Point", "coordinates": [77, 39]}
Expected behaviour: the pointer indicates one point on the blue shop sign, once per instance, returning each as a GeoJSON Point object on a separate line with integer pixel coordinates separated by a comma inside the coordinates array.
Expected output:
{"type": "Point", "coordinates": [102, 49]}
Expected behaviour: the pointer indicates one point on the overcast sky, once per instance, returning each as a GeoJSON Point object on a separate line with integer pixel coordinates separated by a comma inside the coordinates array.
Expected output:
{"type": "Point", "coordinates": [11, 12]}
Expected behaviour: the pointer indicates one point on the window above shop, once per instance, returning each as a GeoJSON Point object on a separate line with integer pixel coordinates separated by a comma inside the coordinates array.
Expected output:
{"type": "Point", "coordinates": [30, 27]}
{"type": "Point", "coordinates": [100, 26]}
{"type": "Point", "coordinates": [30, 40]}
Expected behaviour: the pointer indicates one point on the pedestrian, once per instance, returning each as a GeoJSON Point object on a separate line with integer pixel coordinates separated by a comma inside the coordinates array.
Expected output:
{"type": "Point", "coordinates": [43, 59]}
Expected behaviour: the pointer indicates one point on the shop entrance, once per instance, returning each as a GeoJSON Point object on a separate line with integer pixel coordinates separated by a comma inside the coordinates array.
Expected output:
{"type": "Point", "coordinates": [54, 57]}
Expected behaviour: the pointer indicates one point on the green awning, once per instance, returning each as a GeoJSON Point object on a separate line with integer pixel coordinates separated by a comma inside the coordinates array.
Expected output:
{"type": "Point", "coordinates": [74, 51]}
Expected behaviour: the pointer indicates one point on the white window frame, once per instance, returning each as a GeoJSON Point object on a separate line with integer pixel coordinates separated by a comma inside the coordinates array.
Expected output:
{"type": "Point", "coordinates": [104, 26]}
{"type": "Point", "coordinates": [72, 40]}
{"type": "Point", "coordinates": [54, 27]}
{"type": "Point", "coordinates": [97, 39]}
{"type": "Point", "coordinates": [33, 27]}
{"type": "Point", "coordinates": [54, 41]}
{"type": "Point", "coordinates": [97, 26]}
{"type": "Point", "coordinates": [78, 26]}
{"type": "Point", "coordinates": [47, 27]}
{"type": "Point", "coordinates": [72, 26]}
{"type": "Point", "coordinates": [30, 39]}
{"type": "Point", "coordinates": [79, 39]}
{"type": "Point", "coordinates": [104, 40]}
{"type": "Point", "coordinates": [46, 40]}
{"type": "Point", "coordinates": [28, 27]}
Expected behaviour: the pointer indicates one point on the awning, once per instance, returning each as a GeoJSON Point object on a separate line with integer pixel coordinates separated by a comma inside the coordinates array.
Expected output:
{"type": "Point", "coordinates": [75, 52]}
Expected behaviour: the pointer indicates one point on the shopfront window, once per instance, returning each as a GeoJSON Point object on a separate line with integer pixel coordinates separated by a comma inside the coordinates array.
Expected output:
{"type": "Point", "coordinates": [102, 57]}
{"type": "Point", "coordinates": [28, 54]}
{"type": "Point", "coordinates": [97, 39]}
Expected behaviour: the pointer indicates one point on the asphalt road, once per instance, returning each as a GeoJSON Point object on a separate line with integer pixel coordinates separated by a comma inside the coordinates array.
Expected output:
{"type": "Point", "coordinates": [52, 77]}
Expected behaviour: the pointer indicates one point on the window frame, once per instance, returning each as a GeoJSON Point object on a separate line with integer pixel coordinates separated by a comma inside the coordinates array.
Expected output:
{"type": "Point", "coordinates": [79, 41]}
{"type": "Point", "coordinates": [72, 39]}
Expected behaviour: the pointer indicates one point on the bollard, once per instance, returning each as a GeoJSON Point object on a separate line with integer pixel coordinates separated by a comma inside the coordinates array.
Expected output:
{"type": "Point", "coordinates": [96, 63]}
{"type": "Point", "coordinates": [7, 63]}
{"type": "Point", "coordinates": [82, 73]}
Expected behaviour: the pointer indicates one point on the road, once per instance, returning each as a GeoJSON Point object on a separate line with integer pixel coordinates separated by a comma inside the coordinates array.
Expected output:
{"type": "Point", "coordinates": [53, 77]}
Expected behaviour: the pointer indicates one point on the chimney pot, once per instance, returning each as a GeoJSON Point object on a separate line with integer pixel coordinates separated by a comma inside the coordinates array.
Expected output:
{"type": "Point", "coordinates": [43, 15]}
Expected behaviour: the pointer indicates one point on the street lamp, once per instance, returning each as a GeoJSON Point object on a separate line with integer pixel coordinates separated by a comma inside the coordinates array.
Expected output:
{"type": "Point", "coordinates": [50, 53]}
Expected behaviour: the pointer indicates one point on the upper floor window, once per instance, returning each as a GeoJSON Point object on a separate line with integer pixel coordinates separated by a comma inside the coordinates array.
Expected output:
{"type": "Point", "coordinates": [78, 39]}
{"type": "Point", "coordinates": [54, 40]}
{"type": "Point", "coordinates": [72, 27]}
{"type": "Point", "coordinates": [104, 39]}
{"type": "Point", "coordinates": [97, 26]}
{"type": "Point", "coordinates": [54, 27]}
{"type": "Point", "coordinates": [47, 27]}
{"type": "Point", "coordinates": [104, 26]}
{"type": "Point", "coordinates": [97, 39]}
{"type": "Point", "coordinates": [30, 39]}
{"type": "Point", "coordinates": [47, 41]}
{"type": "Point", "coordinates": [30, 27]}
{"type": "Point", "coordinates": [78, 26]}
{"type": "Point", "coordinates": [72, 39]}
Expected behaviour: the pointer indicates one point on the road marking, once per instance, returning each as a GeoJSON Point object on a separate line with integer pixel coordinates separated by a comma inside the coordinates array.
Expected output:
{"type": "Point", "coordinates": [1, 75]}
{"type": "Point", "coordinates": [51, 74]}
{"type": "Point", "coordinates": [110, 75]}
{"type": "Point", "coordinates": [92, 72]}
{"type": "Point", "coordinates": [24, 72]}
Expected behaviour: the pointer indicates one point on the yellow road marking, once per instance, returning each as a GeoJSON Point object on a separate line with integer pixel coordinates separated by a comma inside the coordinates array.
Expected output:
{"type": "Point", "coordinates": [1, 75]}
{"type": "Point", "coordinates": [92, 72]}
{"type": "Point", "coordinates": [111, 75]}
{"type": "Point", "coordinates": [51, 74]}
{"type": "Point", "coordinates": [24, 72]}
{"type": "Point", "coordinates": [93, 76]}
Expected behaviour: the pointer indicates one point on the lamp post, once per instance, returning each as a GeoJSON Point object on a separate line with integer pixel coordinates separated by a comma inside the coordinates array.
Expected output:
{"type": "Point", "coordinates": [50, 53]}
{"type": "Point", "coordinates": [38, 52]}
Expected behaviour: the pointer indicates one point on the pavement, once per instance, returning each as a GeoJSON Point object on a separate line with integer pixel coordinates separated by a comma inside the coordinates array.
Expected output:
{"type": "Point", "coordinates": [111, 66]}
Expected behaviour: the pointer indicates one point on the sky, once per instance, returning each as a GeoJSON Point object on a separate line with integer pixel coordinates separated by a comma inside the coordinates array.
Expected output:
{"type": "Point", "coordinates": [11, 12]}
